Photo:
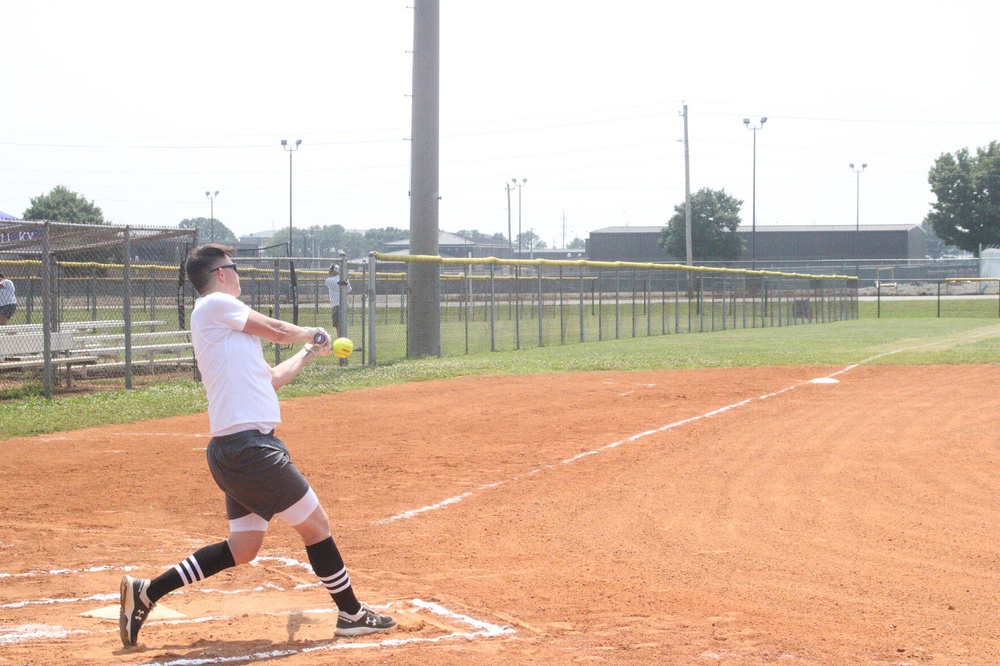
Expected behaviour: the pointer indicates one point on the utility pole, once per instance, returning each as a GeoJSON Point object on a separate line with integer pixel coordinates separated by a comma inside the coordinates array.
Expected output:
{"type": "Point", "coordinates": [510, 238]}
{"type": "Point", "coordinates": [423, 327]}
{"type": "Point", "coordinates": [564, 229]}
{"type": "Point", "coordinates": [687, 191]}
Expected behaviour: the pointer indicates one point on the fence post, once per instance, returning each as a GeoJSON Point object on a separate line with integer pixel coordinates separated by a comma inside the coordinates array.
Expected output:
{"type": "Point", "coordinates": [467, 288]}
{"type": "Point", "coordinates": [127, 308]}
{"type": "Point", "coordinates": [541, 341]}
{"type": "Point", "coordinates": [725, 309]}
{"type": "Point", "coordinates": [372, 318]}
{"type": "Point", "coordinates": [600, 307]}
{"type": "Point", "coordinates": [493, 305]}
{"type": "Point", "coordinates": [701, 303]}
{"type": "Point", "coordinates": [562, 322]}
{"type": "Point", "coordinates": [277, 306]}
{"type": "Point", "coordinates": [47, 310]}
{"type": "Point", "coordinates": [517, 305]}
{"type": "Point", "coordinates": [618, 272]}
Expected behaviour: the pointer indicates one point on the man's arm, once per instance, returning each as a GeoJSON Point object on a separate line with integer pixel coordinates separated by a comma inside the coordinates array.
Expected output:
{"type": "Point", "coordinates": [277, 331]}
{"type": "Point", "coordinates": [283, 333]}
{"type": "Point", "coordinates": [286, 371]}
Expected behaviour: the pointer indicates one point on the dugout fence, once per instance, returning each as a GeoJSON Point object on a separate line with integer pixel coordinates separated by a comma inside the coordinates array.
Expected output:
{"type": "Point", "coordinates": [108, 306]}
{"type": "Point", "coordinates": [94, 301]}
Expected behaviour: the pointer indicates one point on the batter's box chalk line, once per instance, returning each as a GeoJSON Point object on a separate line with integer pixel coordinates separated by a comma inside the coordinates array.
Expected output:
{"type": "Point", "coordinates": [437, 615]}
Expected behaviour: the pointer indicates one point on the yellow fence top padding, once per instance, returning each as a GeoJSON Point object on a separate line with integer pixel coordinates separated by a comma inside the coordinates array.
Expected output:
{"type": "Point", "coordinates": [451, 261]}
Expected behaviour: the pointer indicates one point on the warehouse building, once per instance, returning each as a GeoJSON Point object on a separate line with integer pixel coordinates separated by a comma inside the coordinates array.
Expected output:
{"type": "Point", "coordinates": [773, 243]}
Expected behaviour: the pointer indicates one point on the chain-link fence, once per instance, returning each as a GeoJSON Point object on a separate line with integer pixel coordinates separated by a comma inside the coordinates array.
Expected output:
{"type": "Point", "coordinates": [109, 306]}
{"type": "Point", "coordinates": [497, 305]}
{"type": "Point", "coordinates": [100, 302]}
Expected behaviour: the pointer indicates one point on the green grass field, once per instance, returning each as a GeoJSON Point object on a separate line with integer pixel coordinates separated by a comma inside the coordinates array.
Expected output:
{"type": "Point", "coordinates": [908, 334]}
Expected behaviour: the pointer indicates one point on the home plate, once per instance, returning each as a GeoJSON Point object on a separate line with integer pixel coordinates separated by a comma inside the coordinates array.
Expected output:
{"type": "Point", "coordinates": [159, 612]}
{"type": "Point", "coordinates": [824, 380]}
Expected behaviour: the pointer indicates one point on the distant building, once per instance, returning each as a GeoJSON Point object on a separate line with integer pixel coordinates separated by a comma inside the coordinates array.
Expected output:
{"type": "Point", "coordinates": [259, 239]}
{"type": "Point", "coordinates": [555, 253]}
{"type": "Point", "coordinates": [773, 243]}
{"type": "Point", "coordinates": [453, 245]}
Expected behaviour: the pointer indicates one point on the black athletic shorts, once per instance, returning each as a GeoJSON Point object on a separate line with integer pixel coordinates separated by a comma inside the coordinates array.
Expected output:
{"type": "Point", "coordinates": [256, 473]}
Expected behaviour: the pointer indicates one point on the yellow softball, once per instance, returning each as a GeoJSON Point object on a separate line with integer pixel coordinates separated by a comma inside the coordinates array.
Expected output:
{"type": "Point", "coordinates": [342, 347]}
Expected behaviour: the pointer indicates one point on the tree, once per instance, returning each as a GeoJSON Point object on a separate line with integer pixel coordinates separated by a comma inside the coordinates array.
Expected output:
{"type": "Point", "coordinates": [528, 241]}
{"type": "Point", "coordinates": [577, 244]}
{"type": "Point", "coordinates": [967, 211]}
{"type": "Point", "coordinates": [375, 239]}
{"type": "Point", "coordinates": [477, 236]}
{"type": "Point", "coordinates": [715, 217]}
{"type": "Point", "coordinates": [204, 226]}
{"type": "Point", "coordinates": [64, 205]}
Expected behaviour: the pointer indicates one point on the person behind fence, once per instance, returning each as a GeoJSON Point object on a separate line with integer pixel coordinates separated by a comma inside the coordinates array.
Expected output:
{"type": "Point", "coordinates": [8, 299]}
{"type": "Point", "coordinates": [248, 462]}
{"type": "Point", "coordinates": [333, 285]}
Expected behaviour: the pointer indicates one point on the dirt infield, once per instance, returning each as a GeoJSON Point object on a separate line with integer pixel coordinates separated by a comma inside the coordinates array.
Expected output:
{"type": "Point", "coordinates": [691, 517]}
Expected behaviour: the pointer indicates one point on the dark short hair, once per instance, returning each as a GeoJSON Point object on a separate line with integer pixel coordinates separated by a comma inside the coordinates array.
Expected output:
{"type": "Point", "coordinates": [334, 267]}
{"type": "Point", "coordinates": [199, 263]}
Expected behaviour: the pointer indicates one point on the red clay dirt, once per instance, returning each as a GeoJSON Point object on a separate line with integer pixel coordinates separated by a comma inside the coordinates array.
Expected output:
{"type": "Point", "coordinates": [519, 520]}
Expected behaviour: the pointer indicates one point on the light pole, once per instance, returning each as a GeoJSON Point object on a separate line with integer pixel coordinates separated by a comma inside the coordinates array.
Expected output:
{"type": "Point", "coordinates": [290, 150]}
{"type": "Point", "coordinates": [211, 201]}
{"type": "Point", "coordinates": [857, 213]}
{"type": "Point", "coordinates": [510, 238]}
{"type": "Point", "coordinates": [519, 186]}
{"type": "Point", "coordinates": [753, 229]}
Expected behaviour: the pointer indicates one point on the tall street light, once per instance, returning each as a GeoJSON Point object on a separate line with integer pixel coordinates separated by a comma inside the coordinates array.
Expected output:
{"type": "Point", "coordinates": [519, 186]}
{"type": "Point", "coordinates": [857, 212]}
{"type": "Point", "coordinates": [753, 229]}
{"type": "Point", "coordinates": [510, 238]}
{"type": "Point", "coordinates": [211, 200]}
{"type": "Point", "coordinates": [290, 150]}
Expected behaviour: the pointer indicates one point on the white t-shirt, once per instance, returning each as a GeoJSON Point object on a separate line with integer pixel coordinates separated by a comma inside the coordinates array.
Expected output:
{"type": "Point", "coordinates": [7, 296]}
{"type": "Point", "coordinates": [333, 286]}
{"type": "Point", "coordinates": [236, 377]}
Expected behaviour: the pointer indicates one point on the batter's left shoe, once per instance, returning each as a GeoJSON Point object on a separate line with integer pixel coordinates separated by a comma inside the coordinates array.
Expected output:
{"type": "Point", "coordinates": [135, 608]}
{"type": "Point", "coordinates": [366, 621]}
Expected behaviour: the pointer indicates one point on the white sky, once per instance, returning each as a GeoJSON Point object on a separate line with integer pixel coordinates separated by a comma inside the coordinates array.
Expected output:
{"type": "Point", "coordinates": [142, 107]}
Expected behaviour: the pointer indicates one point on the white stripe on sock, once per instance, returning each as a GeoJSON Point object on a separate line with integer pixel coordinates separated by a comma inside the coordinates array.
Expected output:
{"type": "Point", "coordinates": [190, 570]}
{"type": "Point", "coordinates": [197, 568]}
{"type": "Point", "coordinates": [180, 572]}
{"type": "Point", "coordinates": [338, 582]}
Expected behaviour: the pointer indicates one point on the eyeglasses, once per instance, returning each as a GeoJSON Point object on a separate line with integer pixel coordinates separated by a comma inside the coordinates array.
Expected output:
{"type": "Point", "coordinates": [233, 266]}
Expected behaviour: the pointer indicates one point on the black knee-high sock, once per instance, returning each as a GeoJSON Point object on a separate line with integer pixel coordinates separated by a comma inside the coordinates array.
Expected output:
{"type": "Point", "coordinates": [206, 562]}
{"type": "Point", "coordinates": [329, 566]}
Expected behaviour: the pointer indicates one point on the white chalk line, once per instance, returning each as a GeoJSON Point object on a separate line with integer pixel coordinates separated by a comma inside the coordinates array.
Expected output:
{"type": "Point", "coordinates": [63, 572]}
{"type": "Point", "coordinates": [670, 426]}
{"type": "Point", "coordinates": [109, 597]}
{"type": "Point", "coordinates": [35, 632]}
{"type": "Point", "coordinates": [478, 629]}
{"type": "Point", "coordinates": [20, 633]}
{"type": "Point", "coordinates": [632, 438]}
